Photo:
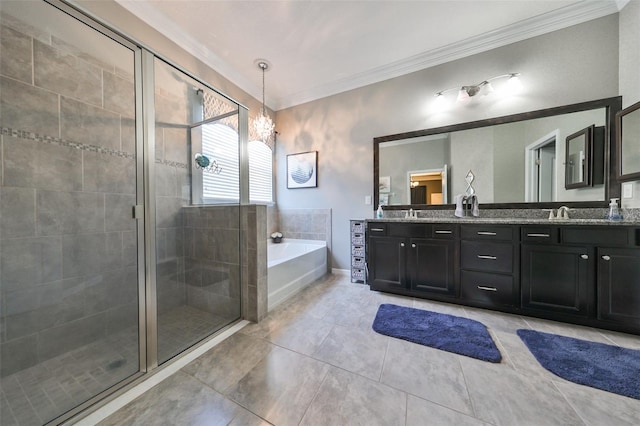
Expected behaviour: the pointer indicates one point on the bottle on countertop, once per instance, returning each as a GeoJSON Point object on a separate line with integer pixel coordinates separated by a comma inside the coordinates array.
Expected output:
{"type": "Point", "coordinates": [614, 212]}
{"type": "Point", "coordinates": [379, 212]}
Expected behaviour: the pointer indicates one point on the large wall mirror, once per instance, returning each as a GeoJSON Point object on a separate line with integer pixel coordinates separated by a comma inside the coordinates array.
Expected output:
{"type": "Point", "coordinates": [517, 161]}
{"type": "Point", "coordinates": [628, 143]}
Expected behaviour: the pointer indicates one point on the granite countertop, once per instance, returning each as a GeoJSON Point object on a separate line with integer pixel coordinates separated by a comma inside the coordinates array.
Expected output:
{"type": "Point", "coordinates": [509, 221]}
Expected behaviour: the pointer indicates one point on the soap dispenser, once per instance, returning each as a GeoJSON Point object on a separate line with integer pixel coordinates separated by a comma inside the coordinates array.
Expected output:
{"type": "Point", "coordinates": [379, 212]}
{"type": "Point", "coordinates": [614, 212]}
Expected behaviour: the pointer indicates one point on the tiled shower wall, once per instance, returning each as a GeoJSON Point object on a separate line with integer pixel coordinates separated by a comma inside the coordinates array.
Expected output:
{"type": "Point", "coordinates": [212, 259]}
{"type": "Point", "coordinates": [68, 242]}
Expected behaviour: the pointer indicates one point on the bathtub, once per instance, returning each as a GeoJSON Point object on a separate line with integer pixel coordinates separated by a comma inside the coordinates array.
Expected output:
{"type": "Point", "coordinates": [292, 265]}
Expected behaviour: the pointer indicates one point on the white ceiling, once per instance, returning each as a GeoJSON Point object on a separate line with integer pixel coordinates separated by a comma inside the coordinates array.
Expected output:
{"type": "Point", "coordinates": [317, 48]}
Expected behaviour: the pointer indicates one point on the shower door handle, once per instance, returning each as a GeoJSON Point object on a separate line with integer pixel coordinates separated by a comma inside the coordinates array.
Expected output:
{"type": "Point", "coordinates": [137, 212]}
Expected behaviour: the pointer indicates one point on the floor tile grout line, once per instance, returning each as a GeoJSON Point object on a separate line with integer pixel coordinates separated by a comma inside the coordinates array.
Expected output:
{"type": "Point", "coordinates": [466, 386]}
{"type": "Point", "coordinates": [553, 383]}
{"type": "Point", "coordinates": [384, 359]}
{"type": "Point", "coordinates": [315, 395]}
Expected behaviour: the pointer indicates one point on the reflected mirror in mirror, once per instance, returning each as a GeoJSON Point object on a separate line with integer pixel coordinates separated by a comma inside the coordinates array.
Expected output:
{"type": "Point", "coordinates": [515, 159]}
{"type": "Point", "coordinates": [576, 159]}
{"type": "Point", "coordinates": [628, 139]}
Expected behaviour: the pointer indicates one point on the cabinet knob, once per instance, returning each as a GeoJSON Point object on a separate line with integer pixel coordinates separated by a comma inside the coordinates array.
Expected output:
{"type": "Point", "coordinates": [584, 256]}
{"type": "Point", "coordinates": [401, 244]}
{"type": "Point", "coordinates": [605, 257]}
{"type": "Point", "coordinates": [413, 245]}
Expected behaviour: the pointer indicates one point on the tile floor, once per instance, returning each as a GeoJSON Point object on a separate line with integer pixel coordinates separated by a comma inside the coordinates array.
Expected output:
{"type": "Point", "coordinates": [316, 361]}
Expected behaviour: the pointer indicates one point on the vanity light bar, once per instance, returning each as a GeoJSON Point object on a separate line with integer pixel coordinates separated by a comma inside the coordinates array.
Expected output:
{"type": "Point", "coordinates": [484, 87]}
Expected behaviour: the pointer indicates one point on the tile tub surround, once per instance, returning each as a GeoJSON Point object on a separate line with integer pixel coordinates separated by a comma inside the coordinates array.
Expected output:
{"type": "Point", "coordinates": [321, 341]}
{"type": "Point", "coordinates": [307, 224]}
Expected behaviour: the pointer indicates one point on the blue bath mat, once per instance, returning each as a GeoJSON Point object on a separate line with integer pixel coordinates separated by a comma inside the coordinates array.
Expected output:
{"type": "Point", "coordinates": [607, 367]}
{"type": "Point", "coordinates": [441, 331]}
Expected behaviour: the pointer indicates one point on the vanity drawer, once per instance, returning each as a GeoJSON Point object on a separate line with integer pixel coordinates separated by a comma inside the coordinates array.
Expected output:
{"type": "Point", "coordinates": [540, 234]}
{"type": "Point", "coordinates": [445, 231]}
{"type": "Point", "coordinates": [488, 289]}
{"type": "Point", "coordinates": [377, 228]}
{"type": "Point", "coordinates": [484, 256]}
{"type": "Point", "coordinates": [490, 232]}
{"type": "Point", "coordinates": [604, 235]}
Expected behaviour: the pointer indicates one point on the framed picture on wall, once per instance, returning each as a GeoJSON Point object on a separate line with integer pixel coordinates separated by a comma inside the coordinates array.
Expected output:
{"type": "Point", "coordinates": [384, 183]}
{"type": "Point", "coordinates": [302, 170]}
{"type": "Point", "coordinates": [384, 199]}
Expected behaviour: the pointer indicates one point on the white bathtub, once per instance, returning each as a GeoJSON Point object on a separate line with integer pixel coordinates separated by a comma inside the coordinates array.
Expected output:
{"type": "Point", "coordinates": [293, 265]}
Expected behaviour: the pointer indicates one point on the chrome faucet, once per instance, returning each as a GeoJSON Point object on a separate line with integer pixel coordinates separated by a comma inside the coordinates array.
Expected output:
{"type": "Point", "coordinates": [563, 213]}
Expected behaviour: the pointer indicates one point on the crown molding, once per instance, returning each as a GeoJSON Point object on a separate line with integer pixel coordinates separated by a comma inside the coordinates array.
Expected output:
{"type": "Point", "coordinates": [552, 21]}
{"type": "Point", "coordinates": [144, 11]}
{"type": "Point", "coordinates": [539, 25]}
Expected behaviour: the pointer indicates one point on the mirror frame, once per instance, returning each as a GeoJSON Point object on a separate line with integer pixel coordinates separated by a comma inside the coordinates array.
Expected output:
{"type": "Point", "coordinates": [619, 115]}
{"type": "Point", "coordinates": [612, 187]}
{"type": "Point", "coordinates": [587, 134]}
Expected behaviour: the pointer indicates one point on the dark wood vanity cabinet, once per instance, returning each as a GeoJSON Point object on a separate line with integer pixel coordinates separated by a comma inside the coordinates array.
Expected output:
{"type": "Point", "coordinates": [387, 263]}
{"type": "Point", "coordinates": [558, 279]}
{"type": "Point", "coordinates": [412, 258]}
{"type": "Point", "coordinates": [489, 265]}
{"type": "Point", "coordinates": [619, 285]}
{"type": "Point", "coordinates": [587, 275]}
{"type": "Point", "coordinates": [431, 266]}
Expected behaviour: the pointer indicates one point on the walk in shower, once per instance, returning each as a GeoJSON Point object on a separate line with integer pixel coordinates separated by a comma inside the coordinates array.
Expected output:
{"type": "Point", "coordinates": [114, 258]}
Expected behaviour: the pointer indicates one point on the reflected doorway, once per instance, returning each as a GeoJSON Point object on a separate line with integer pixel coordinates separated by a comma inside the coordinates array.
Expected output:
{"type": "Point", "coordinates": [428, 186]}
{"type": "Point", "coordinates": [540, 164]}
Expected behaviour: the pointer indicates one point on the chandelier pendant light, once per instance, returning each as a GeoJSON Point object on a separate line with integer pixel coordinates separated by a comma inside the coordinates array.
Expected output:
{"type": "Point", "coordinates": [263, 124]}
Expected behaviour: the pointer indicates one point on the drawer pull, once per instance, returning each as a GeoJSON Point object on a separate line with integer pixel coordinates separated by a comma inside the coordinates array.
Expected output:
{"type": "Point", "coordinates": [481, 287]}
{"type": "Point", "coordinates": [491, 234]}
{"type": "Point", "coordinates": [538, 235]}
{"type": "Point", "coordinates": [413, 245]}
{"type": "Point", "coordinates": [605, 257]}
{"type": "Point", "coordinates": [377, 229]}
{"type": "Point", "coordinates": [401, 244]}
{"type": "Point", "coordinates": [444, 232]}
{"type": "Point", "coordinates": [584, 256]}
{"type": "Point", "coordinates": [484, 256]}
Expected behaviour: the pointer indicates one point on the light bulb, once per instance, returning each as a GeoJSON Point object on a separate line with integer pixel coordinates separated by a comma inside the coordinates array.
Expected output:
{"type": "Point", "coordinates": [513, 86]}
{"type": "Point", "coordinates": [463, 96]}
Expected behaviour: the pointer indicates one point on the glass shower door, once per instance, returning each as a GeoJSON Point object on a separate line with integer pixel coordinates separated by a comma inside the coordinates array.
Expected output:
{"type": "Point", "coordinates": [197, 211]}
{"type": "Point", "coordinates": [69, 277]}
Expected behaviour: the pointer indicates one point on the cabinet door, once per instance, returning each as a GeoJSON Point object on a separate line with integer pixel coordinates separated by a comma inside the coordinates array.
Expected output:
{"type": "Point", "coordinates": [387, 263]}
{"type": "Point", "coordinates": [431, 266]}
{"type": "Point", "coordinates": [558, 279]}
{"type": "Point", "coordinates": [619, 285]}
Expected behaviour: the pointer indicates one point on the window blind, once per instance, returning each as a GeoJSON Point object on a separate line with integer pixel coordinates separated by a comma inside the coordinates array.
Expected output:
{"type": "Point", "coordinates": [260, 172]}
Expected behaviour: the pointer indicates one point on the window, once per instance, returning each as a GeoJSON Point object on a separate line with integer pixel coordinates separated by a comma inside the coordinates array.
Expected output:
{"type": "Point", "coordinates": [220, 144]}
{"type": "Point", "coordinates": [260, 172]}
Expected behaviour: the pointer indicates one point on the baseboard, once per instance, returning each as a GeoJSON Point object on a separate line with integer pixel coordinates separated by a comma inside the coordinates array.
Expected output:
{"type": "Point", "coordinates": [336, 271]}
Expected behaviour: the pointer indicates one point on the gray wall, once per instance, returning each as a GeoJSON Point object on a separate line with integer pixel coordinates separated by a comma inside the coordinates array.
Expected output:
{"type": "Point", "coordinates": [555, 71]}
